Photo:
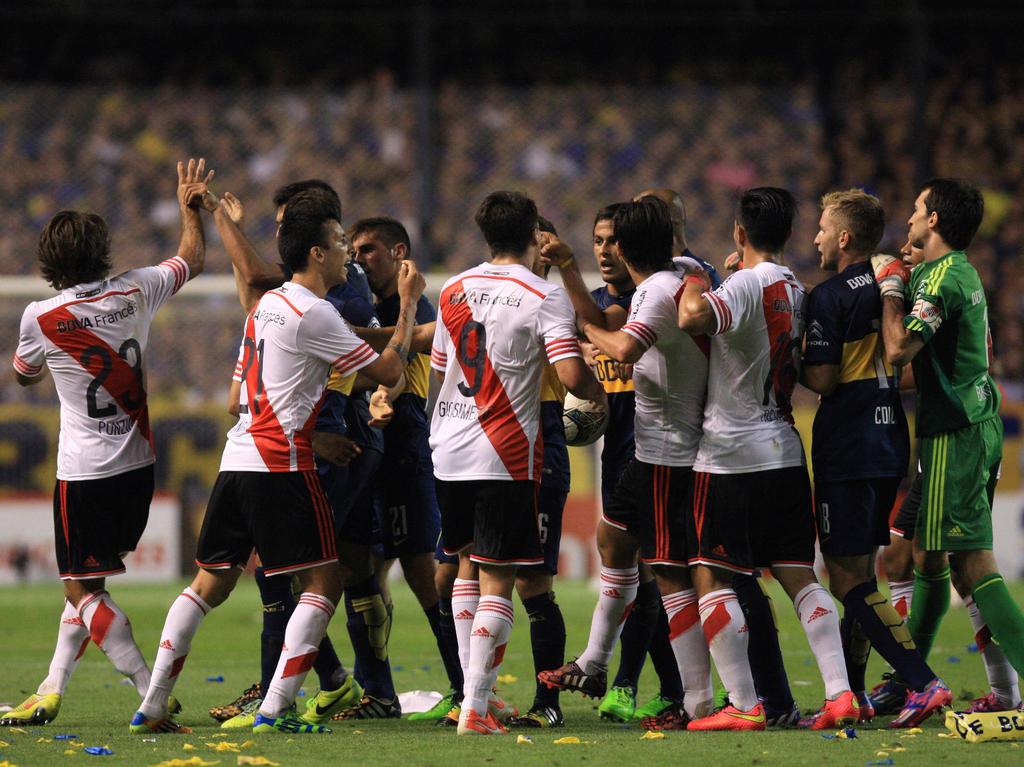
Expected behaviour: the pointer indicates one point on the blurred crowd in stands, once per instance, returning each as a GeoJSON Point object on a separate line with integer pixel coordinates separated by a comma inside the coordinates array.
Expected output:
{"type": "Point", "coordinates": [573, 148]}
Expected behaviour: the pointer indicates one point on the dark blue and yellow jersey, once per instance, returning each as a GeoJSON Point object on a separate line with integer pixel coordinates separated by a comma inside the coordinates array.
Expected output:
{"type": "Point", "coordinates": [341, 413]}
{"type": "Point", "coordinates": [860, 430]}
{"type": "Point", "coordinates": [409, 425]}
{"type": "Point", "coordinates": [555, 469]}
{"type": "Point", "coordinates": [712, 272]}
{"type": "Point", "coordinates": [618, 437]}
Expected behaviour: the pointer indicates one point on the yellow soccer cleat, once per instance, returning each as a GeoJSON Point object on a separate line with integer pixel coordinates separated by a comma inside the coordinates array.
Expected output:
{"type": "Point", "coordinates": [36, 709]}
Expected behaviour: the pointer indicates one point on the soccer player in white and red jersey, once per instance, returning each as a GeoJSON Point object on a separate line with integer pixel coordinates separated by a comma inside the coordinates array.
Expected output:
{"type": "Point", "coordinates": [648, 514]}
{"type": "Point", "coordinates": [500, 325]}
{"type": "Point", "coordinates": [92, 337]}
{"type": "Point", "coordinates": [752, 498]}
{"type": "Point", "coordinates": [268, 494]}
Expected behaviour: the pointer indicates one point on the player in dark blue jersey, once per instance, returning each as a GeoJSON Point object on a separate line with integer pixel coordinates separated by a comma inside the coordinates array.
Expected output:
{"type": "Point", "coordinates": [861, 444]}
{"type": "Point", "coordinates": [407, 515]}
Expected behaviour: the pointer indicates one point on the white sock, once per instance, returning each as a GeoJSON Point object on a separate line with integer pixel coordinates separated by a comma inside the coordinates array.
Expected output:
{"type": "Point", "coordinates": [726, 633]}
{"type": "Point", "coordinates": [618, 593]}
{"type": "Point", "coordinates": [691, 651]}
{"type": "Point", "coordinates": [820, 619]}
{"type": "Point", "coordinates": [902, 593]}
{"type": "Point", "coordinates": [465, 598]}
{"type": "Point", "coordinates": [180, 625]}
{"type": "Point", "coordinates": [491, 630]}
{"type": "Point", "coordinates": [1001, 675]}
{"type": "Point", "coordinates": [111, 630]}
{"type": "Point", "coordinates": [302, 637]}
{"type": "Point", "coordinates": [72, 639]}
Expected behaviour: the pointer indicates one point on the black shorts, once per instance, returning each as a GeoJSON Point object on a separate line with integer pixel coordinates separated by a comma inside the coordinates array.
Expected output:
{"type": "Point", "coordinates": [905, 521]}
{"type": "Point", "coordinates": [853, 515]}
{"type": "Point", "coordinates": [653, 504]}
{"type": "Point", "coordinates": [497, 518]}
{"type": "Point", "coordinates": [98, 521]}
{"type": "Point", "coordinates": [745, 521]}
{"type": "Point", "coordinates": [285, 516]}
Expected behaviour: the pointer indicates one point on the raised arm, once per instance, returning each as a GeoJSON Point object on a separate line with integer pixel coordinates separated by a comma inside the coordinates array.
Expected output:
{"type": "Point", "coordinates": [557, 253]}
{"type": "Point", "coordinates": [901, 343]}
{"type": "Point", "coordinates": [253, 275]}
{"type": "Point", "coordinates": [387, 369]}
{"type": "Point", "coordinates": [192, 187]}
{"type": "Point", "coordinates": [696, 316]}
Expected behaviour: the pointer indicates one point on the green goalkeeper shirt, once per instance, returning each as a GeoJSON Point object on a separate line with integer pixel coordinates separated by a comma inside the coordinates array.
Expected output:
{"type": "Point", "coordinates": [950, 313]}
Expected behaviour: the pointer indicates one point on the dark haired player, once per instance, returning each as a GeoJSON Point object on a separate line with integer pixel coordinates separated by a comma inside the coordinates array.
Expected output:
{"type": "Point", "coordinates": [268, 495]}
{"type": "Point", "coordinates": [408, 519]}
{"type": "Point", "coordinates": [752, 499]}
{"type": "Point", "coordinates": [92, 337]}
{"type": "Point", "coordinates": [946, 337]}
{"type": "Point", "coordinates": [647, 515]}
{"type": "Point", "coordinates": [500, 325]}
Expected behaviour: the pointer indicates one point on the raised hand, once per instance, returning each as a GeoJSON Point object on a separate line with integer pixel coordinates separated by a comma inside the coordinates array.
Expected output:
{"type": "Point", "coordinates": [233, 207]}
{"type": "Point", "coordinates": [553, 252]}
{"type": "Point", "coordinates": [193, 181]}
{"type": "Point", "coordinates": [410, 282]}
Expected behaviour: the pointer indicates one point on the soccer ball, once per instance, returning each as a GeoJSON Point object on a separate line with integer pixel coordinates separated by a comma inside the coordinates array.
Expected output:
{"type": "Point", "coordinates": [584, 421]}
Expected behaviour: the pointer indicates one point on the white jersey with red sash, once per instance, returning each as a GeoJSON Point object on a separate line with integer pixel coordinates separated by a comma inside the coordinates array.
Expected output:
{"type": "Point", "coordinates": [754, 365]}
{"type": "Point", "coordinates": [293, 340]}
{"type": "Point", "coordinates": [499, 326]}
{"type": "Point", "coordinates": [93, 337]}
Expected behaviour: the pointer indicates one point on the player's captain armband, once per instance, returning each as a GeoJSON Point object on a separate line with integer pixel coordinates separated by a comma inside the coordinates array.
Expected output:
{"type": "Point", "coordinates": [978, 728]}
{"type": "Point", "coordinates": [925, 318]}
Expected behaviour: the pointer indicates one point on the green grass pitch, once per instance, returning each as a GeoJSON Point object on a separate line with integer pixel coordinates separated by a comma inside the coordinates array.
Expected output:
{"type": "Point", "coordinates": [97, 707]}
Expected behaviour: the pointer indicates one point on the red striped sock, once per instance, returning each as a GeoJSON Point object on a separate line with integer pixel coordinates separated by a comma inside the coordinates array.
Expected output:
{"type": "Point", "coordinates": [302, 637]}
{"type": "Point", "coordinates": [691, 651]}
{"type": "Point", "coordinates": [725, 630]}
{"type": "Point", "coordinates": [491, 630]}
{"type": "Point", "coordinates": [180, 626]}
{"type": "Point", "coordinates": [618, 593]}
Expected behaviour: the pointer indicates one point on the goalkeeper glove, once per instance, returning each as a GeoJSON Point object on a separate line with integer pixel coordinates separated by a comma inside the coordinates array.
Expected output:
{"type": "Point", "coordinates": [891, 274]}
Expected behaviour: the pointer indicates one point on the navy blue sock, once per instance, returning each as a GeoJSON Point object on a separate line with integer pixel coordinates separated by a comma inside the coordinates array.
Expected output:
{"type": "Point", "coordinates": [763, 649]}
{"type": "Point", "coordinates": [547, 639]}
{"type": "Point", "coordinates": [369, 624]}
{"type": "Point", "coordinates": [884, 628]}
{"type": "Point", "coordinates": [327, 664]}
{"type": "Point", "coordinates": [636, 635]}
{"type": "Point", "coordinates": [856, 648]}
{"type": "Point", "coordinates": [664, 660]}
{"type": "Point", "coordinates": [278, 606]}
{"type": "Point", "coordinates": [447, 643]}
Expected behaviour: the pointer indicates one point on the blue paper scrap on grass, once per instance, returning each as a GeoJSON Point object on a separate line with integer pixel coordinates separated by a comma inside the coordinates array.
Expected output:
{"type": "Point", "coordinates": [218, 678]}
{"type": "Point", "coordinates": [98, 751]}
{"type": "Point", "coordinates": [65, 737]}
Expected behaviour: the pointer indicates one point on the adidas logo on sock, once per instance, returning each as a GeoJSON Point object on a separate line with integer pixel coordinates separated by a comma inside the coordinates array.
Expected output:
{"type": "Point", "coordinates": [612, 593]}
{"type": "Point", "coordinates": [483, 632]}
{"type": "Point", "coordinates": [464, 615]}
{"type": "Point", "coordinates": [76, 621]}
{"type": "Point", "coordinates": [166, 644]}
{"type": "Point", "coordinates": [955, 532]}
{"type": "Point", "coordinates": [818, 613]}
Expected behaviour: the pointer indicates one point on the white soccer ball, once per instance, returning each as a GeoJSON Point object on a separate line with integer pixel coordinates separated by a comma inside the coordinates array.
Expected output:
{"type": "Point", "coordinates": [584, 421]}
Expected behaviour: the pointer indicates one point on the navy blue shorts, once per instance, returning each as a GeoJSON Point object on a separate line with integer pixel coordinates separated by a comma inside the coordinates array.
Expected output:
{"type": "Point", "coordinates": [408, 519]}
{"type": "Point", "coordinates": [350, 491]}
{"type": "Point", "coordinates": [853, 515]}
{"type": "Point", "coordinates": [550, 508]}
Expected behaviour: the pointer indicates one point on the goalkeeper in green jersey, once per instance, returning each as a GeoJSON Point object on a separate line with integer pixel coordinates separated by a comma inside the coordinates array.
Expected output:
{"type": "Point", "coordinates": [937, 320]}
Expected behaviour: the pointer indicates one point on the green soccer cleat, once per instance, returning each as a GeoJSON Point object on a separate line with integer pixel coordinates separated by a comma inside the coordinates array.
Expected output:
{"type": "Point", "coordinates": [234, 708]}
{"type": "Point", "coordinates": [618, 705]}
{"type": "Point", "coordinates": [36, 709]}
{"type": "Point", "coordinates": [654, 708]}
{"type": "Point", "coordinates": [541, 717]}
{"type": "Point", "coordinates": [438, 711]}
{"type": "Point", "coordinates": [326, 703]}
{"type": "Point", "coordinates": [246, 719]}
{"type": "Point", "coordinates": [287, 723]}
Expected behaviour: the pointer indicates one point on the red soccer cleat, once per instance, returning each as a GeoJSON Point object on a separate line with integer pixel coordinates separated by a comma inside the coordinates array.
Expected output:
{"type": "Point", "coordinates": [840, 712]}
{"type": "Point", "coordinates": [471, 723]}
{"type": "Point", "coordinates": [731, 718]}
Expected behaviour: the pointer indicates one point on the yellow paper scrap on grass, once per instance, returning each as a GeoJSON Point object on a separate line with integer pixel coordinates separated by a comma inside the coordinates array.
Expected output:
{"type": "Point", "coordinates": [507, 679]}
{"type": "Point", "coordinates": [524, 740]}
{"type": "Point", "coordinates": [187, 747]}
{"type": "Point", "coordinates": [4, 744]}
{"type": "Point", "coordinates": [5, 763]}
{"type": "Point", "coordinates": [257, 761]}
{"type": "Point", "coordinates": [652, 735]}
{"type": "Point", "coordinates": [569, 740]}
{"type": "Point", "coordinates": [195, 761]}
{"type": "Point", "coordinates": [70, 752]}
{"type": "Point", "coordinates": [223, 746]}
